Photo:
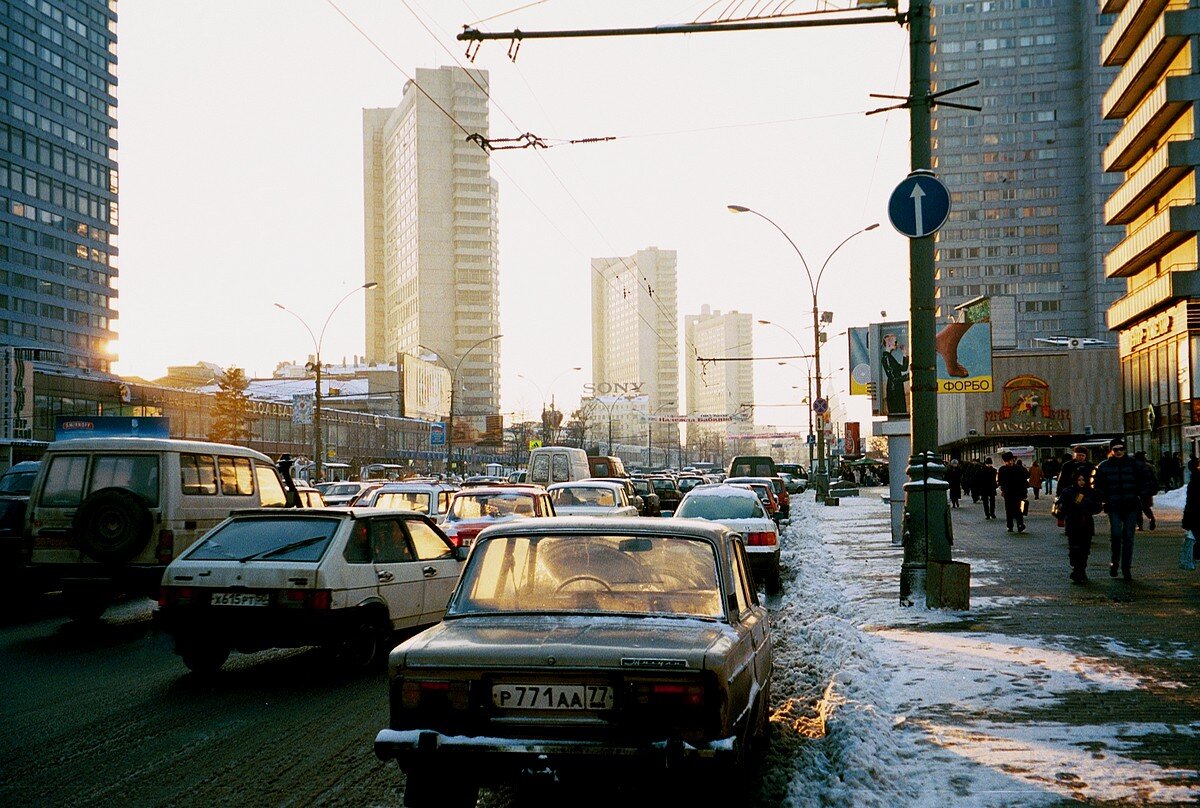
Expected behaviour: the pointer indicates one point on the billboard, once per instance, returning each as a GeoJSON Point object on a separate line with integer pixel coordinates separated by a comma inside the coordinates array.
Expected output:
{"type": "Point", "coordinates": [851, 431]}
{"type": "Point", "coordinates": [861, 377]}
{"type": "Point", "coordinates": [16, 396]}
{"type": "Point", "coordinates": [888, 344]}
{"type": "Point", "coordinates": [426, 389]}
{"type": "Point", "coordinates": [478, 430]}
{"type": "Point", "coordinates": [964, 350]}
{"type": "Point", "coordinates": [67, 427]}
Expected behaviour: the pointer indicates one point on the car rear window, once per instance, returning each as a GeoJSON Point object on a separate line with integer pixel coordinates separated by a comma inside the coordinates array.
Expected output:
{"type": "Point", "coordinates": [664, 485]}
{"type": "Point", "coordinates": [403, 501]}
{"type": "Point", "coordinates": [659, 575]}
{"type": "Point", "coordinates": [583, 495]}
{"type": "Point", "coordinates": [63, 487]}
{"type": "Point", "coordinates": [267, 539]}
{"type": "Point", "coordinates": [491, 506]}
{"type": "Point", "coordinates": [712, 506]}
{"type": "Point", "coordinates": [136, 473]}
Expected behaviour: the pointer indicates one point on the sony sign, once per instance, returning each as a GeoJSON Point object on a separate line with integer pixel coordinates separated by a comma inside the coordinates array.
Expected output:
{"type": "Point", "coordinates": [613, 388]}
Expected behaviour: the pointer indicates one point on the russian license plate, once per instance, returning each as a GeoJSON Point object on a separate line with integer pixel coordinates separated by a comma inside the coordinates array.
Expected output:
{"type": "Point", "coordinates": [552, 697]}
{"type": "Point", "coordinates": [241, 599]}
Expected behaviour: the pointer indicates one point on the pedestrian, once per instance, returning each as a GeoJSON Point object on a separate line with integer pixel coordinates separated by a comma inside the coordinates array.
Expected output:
{"type": "Point", "coordinates": [1076, 505]}
{"type": "Point", "coordinates": [1035, 479]}
{"type": "Point", "coordinates": [1013, 479]}
{"type": "Point", "coordinates": [1177, 460]}
{"type": "Point", "coordinates": [968, 478]}
{"type": "Point", "coordinates": [985, 485]}
{"type": "Point", "coordinates": [1050, 471]}
{"type": "Point", "coordinates": [1120, 483]}
{"type": "Point", "coordinates": [1189, 552]}
{"type": "Point", "coordinates": [1071, 464]}
{"type": "Point", "coordinates": [1147, 499]}
{"type": "Point", "coordinates": [954, 477]}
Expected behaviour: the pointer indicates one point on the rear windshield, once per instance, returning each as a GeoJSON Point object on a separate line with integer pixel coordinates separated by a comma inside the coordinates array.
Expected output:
{"type": "Point", "coordinates": [404, 501]}
{"type": "Point", "coordinates": [752, 467]}
{"type": "Point", "coordinates": [664, 485]}
{"type": "Point", "coordinates": [267, 539]}
{"type": "Point", "coordinates": [711, 506]}
{"type": "Point", "coordinates": [17, 482]}
{"type": "Point", "coordinates": [491, 506]}
{"type": "Point", "coordinates": [581, 495]}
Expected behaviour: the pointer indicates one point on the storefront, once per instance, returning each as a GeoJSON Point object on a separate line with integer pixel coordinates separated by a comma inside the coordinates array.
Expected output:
{"type": "Point", "coordinates": [1160, 402]}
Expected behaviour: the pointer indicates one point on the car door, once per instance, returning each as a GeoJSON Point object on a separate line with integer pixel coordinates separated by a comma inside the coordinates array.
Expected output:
{"type": "Point", "coordinates": [754, 616]}
{"type": "Point", "coordinates": [400, 579]}
{"type": "Point", "coordinates": [439, 568]}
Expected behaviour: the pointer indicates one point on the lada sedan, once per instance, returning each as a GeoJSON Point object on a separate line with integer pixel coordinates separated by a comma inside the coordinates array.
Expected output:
{"type": "Point", "coordinates": [591, 498]}
{"type": "Point", "coordinates": [584, 649]}
{"type": "Point", "coordinates": [473, 509]}
{"type": "Point", "coordinates": [738, 508]}
{"type": "Point", "coordinates": [344, 578]}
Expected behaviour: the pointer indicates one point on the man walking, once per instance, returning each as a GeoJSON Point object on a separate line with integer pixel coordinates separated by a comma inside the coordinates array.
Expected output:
{"type": "Point", "coordinates": [1072, 465]}
{"type": "Point", "coordinates": [1121, 482]}
{"type": "Point", "coordinates": [1050, 471]}
{"type": "Point", "coordinates": [1014, 487]}
{"type": "Point", "coordinates": [985, 486]}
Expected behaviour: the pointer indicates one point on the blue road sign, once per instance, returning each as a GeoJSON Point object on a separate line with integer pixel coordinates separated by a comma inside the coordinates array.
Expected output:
{"type": "Point", "coordinates": [812, 439]}
{"type": "Point", "coordinates": [820, 405]}
{"type": "Point", "coordinates": [437, 433]}
{"type": "Point", "coordinates": [920, 205]}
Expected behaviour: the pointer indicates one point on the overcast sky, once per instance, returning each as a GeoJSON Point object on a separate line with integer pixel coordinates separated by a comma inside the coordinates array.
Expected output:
{"type": "Point", "coordinates": [241, 175]}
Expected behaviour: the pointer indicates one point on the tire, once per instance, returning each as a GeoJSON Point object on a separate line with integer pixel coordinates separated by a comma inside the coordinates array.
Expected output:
{"type": "Point", "coordinates": [433, 788]}
{"type": "Point", "coordinates": [202, 657]}
{"type": "Point", "coordinates": [362, 648]}
{"type": "Point", "coordinates": [773, 582]}
{"type": "Point", "coordinates": [113, 525]}
{"type": "Point", "coordinates": [86, 607]}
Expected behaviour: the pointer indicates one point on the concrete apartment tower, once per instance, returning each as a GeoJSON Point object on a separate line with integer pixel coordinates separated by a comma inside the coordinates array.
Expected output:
{"type": "Point", "coordinates": [721, 387]}
{"type": "Point", "coordinates": [1027, 185]}
{"type": "Point", "coordinates": [635, 332]}
{"type": "Point", "coordinates": [430, 230]}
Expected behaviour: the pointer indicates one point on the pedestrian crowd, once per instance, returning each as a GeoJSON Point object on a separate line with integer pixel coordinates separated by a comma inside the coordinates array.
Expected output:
{"type": "Point", "coordinates": [1121, 485]}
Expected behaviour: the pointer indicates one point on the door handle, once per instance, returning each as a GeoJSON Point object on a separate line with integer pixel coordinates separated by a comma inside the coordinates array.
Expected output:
{"type": "Point", "coordinates": [385, 576]}
{"type": "Point", "coordinates": [429, 572]}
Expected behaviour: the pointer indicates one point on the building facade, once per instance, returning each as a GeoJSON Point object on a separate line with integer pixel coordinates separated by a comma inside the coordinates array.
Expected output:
{"type": "Point", "coordinates": [635, 330]}
{"type": "Point", "coordinates": [58, 180]}
{"type": "Point", "coordinates": [719, 387]}
{"type": "Point", "coordinates": [1153, 46]}
{"type": "Point", "coordinates": [431, 236]}
{"type": "Point", "coordinates": [1027, 185]}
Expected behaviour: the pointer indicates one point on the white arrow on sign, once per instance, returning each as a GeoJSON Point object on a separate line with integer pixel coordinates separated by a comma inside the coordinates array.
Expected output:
{"type": "Point", "coordinates": [916, 195]}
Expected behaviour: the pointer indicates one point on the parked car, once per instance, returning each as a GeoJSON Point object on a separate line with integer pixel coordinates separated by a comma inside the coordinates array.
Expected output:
{"type": "Point", "coordinates": [344, 492]}
{"type": "Point", "coordinates": [473, 509]}
{"type": "Point", "coordinates": [738, 508]}
{"type": "Point", "coordinates": [310, 497]}
{"type": "Point", "coordinates": [429, 498]}
{"type": "Point", "coordinates": [798, 473]}
{"type": "Point", "coordinates": [668, 492]}
{"type": "Point", "coordinates": [765, 491]}
{"type": "Point", "coordinates": [591, 498]}
{"type": "Point", "coordinates": [560, 672]}
{"type": "Point", "coordinates": [651, 504]}
{"type": "Point", "coordinates": [106, 515]}
{"type": "Point", "coordinates": [344, 578]}
{"type": "Point", "coordinates": [752, 466]}
{"type": "Point", "coordinates": [18, 478]}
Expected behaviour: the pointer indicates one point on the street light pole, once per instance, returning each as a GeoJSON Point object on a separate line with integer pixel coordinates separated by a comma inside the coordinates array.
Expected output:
{"type": "Point", "coordinates": [819, 477]}
{"type": "Point", "coordinates": [453, 390]}
{"type": "Point", "coordinates": [318, 436]}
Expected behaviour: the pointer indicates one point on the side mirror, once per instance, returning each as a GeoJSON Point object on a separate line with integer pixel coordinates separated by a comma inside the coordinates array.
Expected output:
{"type": "Point", "coordinates": [461, 553]}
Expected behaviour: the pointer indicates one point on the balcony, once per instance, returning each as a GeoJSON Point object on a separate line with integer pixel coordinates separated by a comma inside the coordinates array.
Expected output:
{"type": "Point", "coordinates": [1150, 120]}
{"type": "Point", "coordinates": [1162, 44]}
{"type": "Point", "coordinates": [1171, 227]}
{"type": "Point", "coordinates": [1179, 283]}
{"type": "Point", "coordinates": [1130, 26]}
{"type": "Point", "coordinates": [1112, 6]}
{"type": "Point", "coordinates": [1166, 167]}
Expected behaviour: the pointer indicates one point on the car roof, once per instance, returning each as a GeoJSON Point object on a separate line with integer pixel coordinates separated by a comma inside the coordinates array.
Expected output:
{"type": "Point", "coordinates": [610, 526]}
{"type": "Point", "coordinates": [130, 444]}
{"type": "Point", "coordinates": [721, 489]}
{"type": "Point", "coordinates": [333, 510]}
{"type": "Point", "coordinates": [518, 488]}
{"type": "Point", "coordinates": [591, 482]}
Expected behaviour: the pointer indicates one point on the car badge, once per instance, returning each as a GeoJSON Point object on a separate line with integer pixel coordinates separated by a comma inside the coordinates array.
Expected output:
{"type": "Point", "coordinates": [646, 662]}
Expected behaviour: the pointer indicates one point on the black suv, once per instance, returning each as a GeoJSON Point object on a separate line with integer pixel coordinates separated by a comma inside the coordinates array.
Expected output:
{"type": "Point", "coordinates": [651, 505]}
{"type": "Point", "coordinates": [668, 493]}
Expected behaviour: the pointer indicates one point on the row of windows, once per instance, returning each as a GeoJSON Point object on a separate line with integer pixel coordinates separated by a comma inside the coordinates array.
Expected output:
{"type": "Point", "coordinates": [40, 238]}
{"type": "Point", "coordinates": [46, 241]}
{"type": "Point", "coordinates": [987, 233]}
{"type": "Point", "coordinates": [1041, 305]}
{"type": "Point", "coordinates": [40, 186]}
{"type": "Point", "coordinates": [991, 176]}
{"type": "Point", "coordinates": [48, 101]}
{"type": "Point", "coordinates": [1033, 268]}
{"type": "Point", "coordinates": [998, 24]}
{"type": "Point", "coordinates": [1002, 194]}
{"type": "Point", "coordinates": [49, 311]}
{"type": "Point", "coordinates": [48, 335]}
{"type": "Point", "coordinates": [1039, 59]}
{"type": "Point", "coordinates": [75, 138]}
{"type": "Point", "coordinates": [996, 214]}
{"type": "Point", "coordinates": [54, 34]}
{"type": "Point", "coordinates": [20, 143]}
{"type": "Point", "coordinates": [991, 157]}
{"type": "Point", "coordinates": [51, 265]}
{"type": "Point", "coordinates": [99, 61]}
{"type": "Point", "coordinates": [34, 120]}
{"type": "Point", "coordinates": [986, 6]}
{"type": "Point", "coordinates": [996, 251]}
{"type": "Point", "coordinates": [83, 8]}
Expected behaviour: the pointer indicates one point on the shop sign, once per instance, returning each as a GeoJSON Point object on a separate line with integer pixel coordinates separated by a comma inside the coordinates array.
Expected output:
{"type": "Point", "coordinates": [1152, 329]}
{"type": "Point", "coordinates": [1026, 410]}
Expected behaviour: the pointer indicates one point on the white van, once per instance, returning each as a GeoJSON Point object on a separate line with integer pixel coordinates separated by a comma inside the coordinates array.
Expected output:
{"type": "Point", "coordinates": [557, 464]}
{"type": "Point", "coordinates": [106, 515]}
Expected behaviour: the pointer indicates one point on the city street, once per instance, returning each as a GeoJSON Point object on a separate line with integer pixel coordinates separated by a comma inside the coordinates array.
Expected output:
{"type": "Point", "coordinates": [1043, 693]}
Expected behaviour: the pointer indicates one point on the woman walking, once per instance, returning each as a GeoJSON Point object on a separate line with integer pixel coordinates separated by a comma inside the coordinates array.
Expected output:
{"type": "Point", "coordinates": [1191, 518]}
{"type": "Point", "coordinates": [1035, 479]}
{"type": "Point", "coordinates": [1076, 505]}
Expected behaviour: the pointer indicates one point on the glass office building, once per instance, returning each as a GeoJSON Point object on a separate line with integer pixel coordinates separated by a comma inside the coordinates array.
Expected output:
{"type": "Point", "coordinates": [58, 179]}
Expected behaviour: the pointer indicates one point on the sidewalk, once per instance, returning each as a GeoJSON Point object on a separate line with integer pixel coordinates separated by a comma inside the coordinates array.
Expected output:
{"type": "Point", "coordinates": [1043, 693]}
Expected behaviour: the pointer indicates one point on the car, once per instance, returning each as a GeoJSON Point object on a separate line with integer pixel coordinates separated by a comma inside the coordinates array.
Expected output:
{"type": "Point", "coordinates": [519, 476]}
{"type": "Point", "coordinates": [591, 498]}
{"type": "Point", "coordinates": [310, 497]}
{"type": "Point", "coordinates": [687, 482]}
{"type": "Point", "coordinates": [473, 509]}
{"type": "Point", "coordinates": [737, 507]}
{"type": "Point", "coordinates": [429, 498]}
{"type": "Point", "coordinates": [765, 491]}
{"type": "Point", "coordinates": [635, 499]}
{"type": "Point", "coordinates": [651, 504]}
{"type": "Point", "coordinates": [18, 478]}
{"type": "Point", "coordinates": [343, 578]}
{"type": "Point", "coordinates": [606, 466]}
{"type": "Point", "coordinates": [751, 466]}
{"type": "Point", "coordinates": [782, 504]}
{"type": "Point", "coordinates": [793, 484]}
{"type": "Point", "coordinates": [585, 650]}
{"type": "Point", "coordinates": [799, 475]}
{"type": "Point", "coordinates": [668, 492]}
{"type": "Point", "coordinates": [344, 492]}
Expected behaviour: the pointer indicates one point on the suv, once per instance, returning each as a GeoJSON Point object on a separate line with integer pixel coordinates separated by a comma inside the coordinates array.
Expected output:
{"type": "Point", "coordinates": [429, 498]}
{"type": "Point", "coordinates": [668, 492]}
{"type": "Point", "coordinates": [342, 578]}
{"type": "Point", "coordinates": [106, 515]}
{"type": "Point", "coordinates": [651, 505]}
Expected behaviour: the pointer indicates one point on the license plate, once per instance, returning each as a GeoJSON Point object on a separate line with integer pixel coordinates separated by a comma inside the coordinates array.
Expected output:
{"type": "Point", "coordinates": [552, 697]}
{"type": "Point", "coordinates": [241, 599]}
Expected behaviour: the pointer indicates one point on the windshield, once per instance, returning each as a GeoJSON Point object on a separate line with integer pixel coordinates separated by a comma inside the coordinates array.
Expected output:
{"type": "Point", "coordinates": [17, 482]}
{"type": "Point", "coordinates": [652, 575]}
{"type": "Point", "coordinates": [578, 495]}
{"type": "Point", "coordinates": [342, 490]}
{"type": "Point", "coordinates": [252, 537]}
{"type": "Point", "coordinates": [664, 485]}
{"type": "Point", "coordinates": [711, 506]}
{"type": "Point", "coordinates": [418, 501]}
{"type": "Point", "coordinates": [490, 505]}
{"type": "Point", "coordinates": [688, 483]}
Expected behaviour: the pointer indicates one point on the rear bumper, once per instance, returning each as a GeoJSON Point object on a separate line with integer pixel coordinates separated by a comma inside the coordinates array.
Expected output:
{"type": "Point", "coordinates": [256, 628]}
{"type": "Point", "coordinates": [763, 560]}
{"type": "Point", "coordinates": [130, 579]}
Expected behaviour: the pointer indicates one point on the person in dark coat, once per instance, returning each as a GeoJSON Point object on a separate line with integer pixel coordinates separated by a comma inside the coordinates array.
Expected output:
{"type": "Point", "coordinates": [970, 472]}
{"type": "Point", "coordinates": [1076, 505]}
{"type": "Point", "coordinates": [985, 485]}
{"type": "Point", "coordinates": [1166, 471]}
{"type": "Point", "coordinates": [1121, 482]}
{"type": "Point", "coordinates": [1147, 499]}
{"type": "Point", "coordinates": [1050, 471]}
{"type": "Point", "coordinates": [1013, 479]}
{"type": "Point", "coordinates": [1079, 459]}
{"type": "Point", "coordinates": [1189, 552]}
{"type": "Point", "coordinates": [954, 477]}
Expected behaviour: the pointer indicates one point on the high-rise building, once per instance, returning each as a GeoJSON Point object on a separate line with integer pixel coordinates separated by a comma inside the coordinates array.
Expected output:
{"type": "Point", "coordinates": [720, 387]}
{"type": "Point", "coordinates": [58, 180]}
{"type": "Point", "coordinates": [431, 233]}
{"type": "Point", "coordinates": [1025, 175]}
{"type": "Point", "coordinates": [635, 331]}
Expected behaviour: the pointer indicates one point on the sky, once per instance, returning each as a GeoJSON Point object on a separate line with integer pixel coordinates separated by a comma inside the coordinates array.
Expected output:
{"type": "Point", "coordinates": [241, 176]}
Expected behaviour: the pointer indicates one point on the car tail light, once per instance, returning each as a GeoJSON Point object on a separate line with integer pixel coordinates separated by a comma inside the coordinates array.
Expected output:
{"type": "Point", "coordinates": [761, 538]}
{"type": "Point", "coordinates": [669, 694]}
{"type": "Point", "coordinates": [175, 595]}
{"type": "Point", "coordinates": [306, 599]}
{"type": "Point", "coordinates": [452, 534]}
{"type": "Point", "coordinates": [166, 546]}
{"type": "Point", "coordinates": [418, 694]}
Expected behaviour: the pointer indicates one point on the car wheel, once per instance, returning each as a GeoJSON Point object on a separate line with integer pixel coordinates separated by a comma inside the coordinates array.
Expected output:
{"type": "Point", "coordinates": [113, 525]}
{"type": "Point", "coordinates": [201, 656]}
{"type": "Point", "coordinates": [85, 607]}
{"type": "Point", "coordinates": [760, 739]}
{"type": "Point", "coordinates": [437, 789]}
{"type": "Point", "coordinates": [361, 649]}
{"type": "Point", "coordinates": [774, 582]}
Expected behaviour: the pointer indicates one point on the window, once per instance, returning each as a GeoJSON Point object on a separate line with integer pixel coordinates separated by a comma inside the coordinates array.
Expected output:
{"type": "Point", "coordinates": [388, 544]}
{"type": "Point", "coordinates": [741, 591]}
{"type": "Point", "coordinates": [540, 470]}
{"type": "Point", "coordinates": [137, 473]}
{"type": "Point", "coordinates": [429, 545]}
{"type": "Point", "coordinates": [358, 548]}
{"type": "Point", "coordinates": [559, 467]}
{"type": "Point", "coordinates": [236, 476]}
{"type": "Point", "coordinates": [270, 488]}
{"type": "Point", "coordinates": [64, 482]}
{"type": "Point", "coordinates": [197, 474]}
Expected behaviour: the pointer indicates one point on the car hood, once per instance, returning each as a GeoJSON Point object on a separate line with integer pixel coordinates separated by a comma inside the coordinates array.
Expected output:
{"type": "Point", "coordinates": [565, 641]}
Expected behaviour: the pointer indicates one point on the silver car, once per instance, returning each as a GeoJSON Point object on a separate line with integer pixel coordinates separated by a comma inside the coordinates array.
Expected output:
{"type": "Point", "coordinates": [584, 649]}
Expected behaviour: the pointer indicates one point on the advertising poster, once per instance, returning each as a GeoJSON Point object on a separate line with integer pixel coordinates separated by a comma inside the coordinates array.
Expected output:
{"type": "Point", "coordinates": [861, 377]}
{"type": "Point", "coordinates": [852, 437]}
{"type": "Point", "coordinates": [889, 363]}
{"type": "Point", "coordinates": [964, 351]}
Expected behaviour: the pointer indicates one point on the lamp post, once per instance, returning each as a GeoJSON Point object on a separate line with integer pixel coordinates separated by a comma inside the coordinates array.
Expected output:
{"type": "Point", "coordinates": [318, 437]}
{"type": "Point", "coordinates": [453, 389]}
{"type": "Point", "coordinates": [820, 479]}
{"type": "Point", "coordinates": [650, 431]}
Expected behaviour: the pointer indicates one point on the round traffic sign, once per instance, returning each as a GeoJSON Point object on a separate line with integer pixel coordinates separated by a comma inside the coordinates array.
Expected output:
{"type": "Point", "coordinates": [920, 205]}
{"type": "Point", "coordinates": [820, 405]}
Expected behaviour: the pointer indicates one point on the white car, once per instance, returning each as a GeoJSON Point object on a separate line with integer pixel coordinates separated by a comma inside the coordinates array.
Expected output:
{"type": "Point", "coordinates": [429, 498]}
{"type": "Point", "coordinates": [739, 508]}
{"type": "Point", "coordinates": [345, 578]}
{"type": "Point", "coordinates": [591, 498]}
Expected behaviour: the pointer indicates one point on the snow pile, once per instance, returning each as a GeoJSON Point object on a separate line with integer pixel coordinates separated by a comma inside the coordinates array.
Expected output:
{"type": "Point", "coordinates": [880, 705]}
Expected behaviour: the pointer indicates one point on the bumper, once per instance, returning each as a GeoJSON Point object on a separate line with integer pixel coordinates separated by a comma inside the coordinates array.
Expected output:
{"type": "Point", "coordinates": [256, 628]}
{"type": "Point", "coordinates": [129, 579]}
{"type": "Point", "coordinates": [763, 560]}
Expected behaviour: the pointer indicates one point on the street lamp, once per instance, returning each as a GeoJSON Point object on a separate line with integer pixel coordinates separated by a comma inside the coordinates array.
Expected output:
{"type": "Point", "coordinates": [318, 437]}
{"type": "Point", "coordinates": [820, 480]}
{"type": "Point", "coordinates": [453, 388]}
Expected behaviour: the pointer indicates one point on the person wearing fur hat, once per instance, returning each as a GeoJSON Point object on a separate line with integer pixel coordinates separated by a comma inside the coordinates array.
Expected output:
{"type": "Point", "coordinates": [1121, 482]}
